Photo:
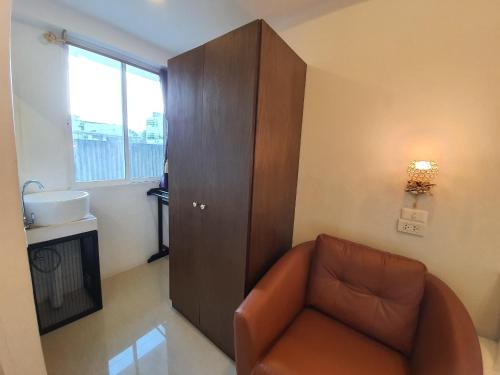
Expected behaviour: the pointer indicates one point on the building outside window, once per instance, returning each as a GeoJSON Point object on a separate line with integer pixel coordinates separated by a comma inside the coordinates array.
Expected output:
{"type": "Point", "coordinates": [116, 119]}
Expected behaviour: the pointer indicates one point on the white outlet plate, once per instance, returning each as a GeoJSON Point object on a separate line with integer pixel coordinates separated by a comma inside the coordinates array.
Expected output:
{"type": "Point", "coordinates": [412, 227]}
{"type": "Point", "coordinates": [414, 215]}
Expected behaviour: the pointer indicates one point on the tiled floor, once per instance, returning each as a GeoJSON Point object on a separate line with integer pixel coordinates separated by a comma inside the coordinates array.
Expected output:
{"type": "Point", "coordinates": [491, 363]}
{"type": "Point", "coordinates": [137, 332]}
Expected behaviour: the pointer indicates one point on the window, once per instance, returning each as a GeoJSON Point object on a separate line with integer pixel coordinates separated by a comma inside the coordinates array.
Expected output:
{"type": "Point", "coordinates": [145, 122]}
{"type": "Point", "coordinates": [116, 119]}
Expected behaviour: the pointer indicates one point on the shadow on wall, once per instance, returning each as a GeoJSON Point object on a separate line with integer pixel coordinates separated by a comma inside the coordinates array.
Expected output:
{"type": "Point", "coordinates": [491, 312]}
{"type": "Point", "coordinates": [314, 9]}
{"type": "Point", "coordinates": [344, 136]}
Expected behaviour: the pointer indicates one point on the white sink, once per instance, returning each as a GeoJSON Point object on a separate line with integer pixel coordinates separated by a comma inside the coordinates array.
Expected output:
{"type": "Point", "coordinates": [56, 207]}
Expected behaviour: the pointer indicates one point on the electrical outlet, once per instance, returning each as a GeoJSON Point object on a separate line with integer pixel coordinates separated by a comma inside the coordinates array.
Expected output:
{"type": "Point", "coordinates": [414, 215]}
{"type": "Point", "coordinates": [412, 227]}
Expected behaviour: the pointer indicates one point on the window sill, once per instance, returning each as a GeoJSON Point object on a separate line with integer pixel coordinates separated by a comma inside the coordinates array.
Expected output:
{"type": "Point", "coordinates": [112, 183]}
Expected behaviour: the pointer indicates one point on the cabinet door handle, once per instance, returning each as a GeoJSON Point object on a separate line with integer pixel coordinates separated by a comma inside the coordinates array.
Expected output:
{"type": "Point", "coordinates": [195, 204]}
{"type": "Point", "coordinates": [203, 206]}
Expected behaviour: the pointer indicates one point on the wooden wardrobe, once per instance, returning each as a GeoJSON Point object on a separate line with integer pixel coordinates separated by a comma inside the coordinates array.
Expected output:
{"type": "Point", "coordinates": [235, 115]}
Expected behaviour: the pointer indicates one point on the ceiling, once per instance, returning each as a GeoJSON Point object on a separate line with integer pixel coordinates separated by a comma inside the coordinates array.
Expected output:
{"type": "Point", "coordinates": [179, 25]}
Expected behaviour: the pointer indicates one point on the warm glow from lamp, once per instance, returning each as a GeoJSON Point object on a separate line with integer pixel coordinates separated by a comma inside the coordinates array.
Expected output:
{"type": "Point", "coordinates": [422, 170]}
{"type": "Point", "coordinates": [423, 164]}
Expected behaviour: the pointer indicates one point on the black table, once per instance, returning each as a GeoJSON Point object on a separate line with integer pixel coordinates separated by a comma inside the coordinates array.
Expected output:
{"type": "Point", "coordinates": [162, 196]}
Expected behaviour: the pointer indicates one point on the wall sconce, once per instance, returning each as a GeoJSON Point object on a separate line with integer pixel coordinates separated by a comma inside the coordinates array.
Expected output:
{"type": "Point", "coordinates": [421, 173]}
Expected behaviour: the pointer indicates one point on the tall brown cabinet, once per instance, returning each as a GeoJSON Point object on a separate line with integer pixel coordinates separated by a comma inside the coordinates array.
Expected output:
{"type": "Point", "coordinates": [235, 115]}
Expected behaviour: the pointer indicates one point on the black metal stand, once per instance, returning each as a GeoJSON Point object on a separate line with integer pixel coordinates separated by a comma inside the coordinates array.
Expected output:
{"type": "Point", "coordinates": [162, 196]}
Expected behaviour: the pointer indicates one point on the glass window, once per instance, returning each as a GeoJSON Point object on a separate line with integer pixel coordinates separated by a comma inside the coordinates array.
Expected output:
{"type": "Point", "coordinates": [145, 123]}
{"type": "Point", "coordinates": [96, 91]}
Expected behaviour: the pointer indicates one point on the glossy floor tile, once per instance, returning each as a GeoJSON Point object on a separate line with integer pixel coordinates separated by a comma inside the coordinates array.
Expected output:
{"type": "Point", "coordinates": [137, 333]}
{"type": "Point", "coordinates": [491, 356]}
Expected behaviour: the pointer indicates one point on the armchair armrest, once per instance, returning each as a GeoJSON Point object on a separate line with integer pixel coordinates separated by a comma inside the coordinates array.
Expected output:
{"type": "Point", "coordinates": [446, 341]}
{"type": "Point", "coordinates": [271, 306]}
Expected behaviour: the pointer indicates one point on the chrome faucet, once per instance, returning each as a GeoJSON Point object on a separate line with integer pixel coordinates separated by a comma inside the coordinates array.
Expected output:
{"type": "Point", "coordinates": [28, 222]}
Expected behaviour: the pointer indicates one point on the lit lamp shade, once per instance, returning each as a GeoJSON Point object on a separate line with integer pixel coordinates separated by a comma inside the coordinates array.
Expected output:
{"type": "Point", "coordinates": [421, 173]}
{"type": "Point", "coordinates": [422, 170]}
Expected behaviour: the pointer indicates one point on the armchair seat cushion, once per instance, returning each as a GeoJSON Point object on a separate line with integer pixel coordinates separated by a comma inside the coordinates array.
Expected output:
{"type": "Point", "coordinates": [317, 344]}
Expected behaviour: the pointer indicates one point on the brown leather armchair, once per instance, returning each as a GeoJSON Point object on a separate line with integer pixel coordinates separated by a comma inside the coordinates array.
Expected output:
{"type": "Point", "coordinates": [331, 306]}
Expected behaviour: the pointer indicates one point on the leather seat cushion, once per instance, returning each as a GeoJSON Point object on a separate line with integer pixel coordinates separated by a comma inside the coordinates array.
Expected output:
{"type": "Point", "coordinates": [372, 291]}
{"type": "Point", "coordinates": [316, 344]}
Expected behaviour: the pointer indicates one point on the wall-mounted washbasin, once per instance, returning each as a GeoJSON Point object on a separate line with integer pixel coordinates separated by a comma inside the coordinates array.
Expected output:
{"type": "Point", "coordinates": [56, 207]}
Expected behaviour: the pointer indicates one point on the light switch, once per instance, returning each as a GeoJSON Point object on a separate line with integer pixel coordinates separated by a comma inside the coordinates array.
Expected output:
{"type": "Point", "coordinates": [414, 215]}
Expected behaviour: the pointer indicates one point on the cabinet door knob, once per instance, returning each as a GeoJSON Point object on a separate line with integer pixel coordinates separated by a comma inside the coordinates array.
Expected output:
{"type": "Point", "coordinates": [195, 204]}
{"type": "Point", "coordinates": [203, 206]}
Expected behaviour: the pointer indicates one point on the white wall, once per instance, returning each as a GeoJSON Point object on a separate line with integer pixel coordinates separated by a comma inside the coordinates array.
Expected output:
{"type": "Point", "coordinates": [126, 217]}
{"type": "Point", "coordinates": [20, 349]}
{"type": "Point", "coordinates": [56, 16]}
{"type": "Point", "coordinates": [391, 81]}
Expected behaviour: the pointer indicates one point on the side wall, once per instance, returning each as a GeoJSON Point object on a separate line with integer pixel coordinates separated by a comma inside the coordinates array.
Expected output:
{"type": "Point", "coordinates": [20, 349]}
{"type": "Point", "coordinates": [126, 217]}
{"type": "Point", "coordinates": [391, 81]}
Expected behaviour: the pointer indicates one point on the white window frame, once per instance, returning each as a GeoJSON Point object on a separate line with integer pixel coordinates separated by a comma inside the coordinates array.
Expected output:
{"type": "Point", "coordinates": [124, 60]}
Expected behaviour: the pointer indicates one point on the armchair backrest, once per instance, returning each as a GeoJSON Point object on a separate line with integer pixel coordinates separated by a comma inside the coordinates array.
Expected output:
{"type": "Point", "coordinates": [374, 292]}
{"type": "Point", "coordinates": [446, 341]}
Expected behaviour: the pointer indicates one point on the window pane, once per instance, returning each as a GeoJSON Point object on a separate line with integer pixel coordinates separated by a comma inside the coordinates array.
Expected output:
{"type": "Point", "coordinates": [145, 123]}
{"type": "Point", "coordinates": [96, 116]}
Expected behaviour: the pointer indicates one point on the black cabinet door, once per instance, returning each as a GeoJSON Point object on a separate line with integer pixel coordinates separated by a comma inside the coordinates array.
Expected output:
{"type": "Point", "coordinates": [184, 102]}
{"type": "Point", "coordinates": [229, 105]}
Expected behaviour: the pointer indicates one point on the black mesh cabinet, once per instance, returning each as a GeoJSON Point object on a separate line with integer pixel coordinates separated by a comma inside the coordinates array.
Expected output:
{"type": "Point", "coordinates": [66, 279]}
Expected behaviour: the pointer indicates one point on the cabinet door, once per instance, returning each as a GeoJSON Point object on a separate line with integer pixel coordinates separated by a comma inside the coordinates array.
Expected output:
{"type": "Point", "coordinates": [229, 104]}
{"type": "Point", "coordinates": [184, 101]}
